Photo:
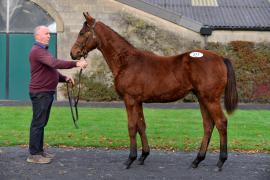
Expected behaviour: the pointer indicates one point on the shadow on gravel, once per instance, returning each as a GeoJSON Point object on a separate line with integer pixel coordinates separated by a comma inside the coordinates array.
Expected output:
{"type": "Point", "coordinates": [79, 164]}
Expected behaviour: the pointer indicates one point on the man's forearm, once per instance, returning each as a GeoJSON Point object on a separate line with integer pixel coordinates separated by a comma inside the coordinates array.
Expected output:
{"type": "Point", "coordinates": [49, 60]}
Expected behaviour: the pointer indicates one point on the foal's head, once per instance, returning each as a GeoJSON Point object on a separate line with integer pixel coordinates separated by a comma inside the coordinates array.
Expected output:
{"type": "Point", "coordinates": [86, 40]}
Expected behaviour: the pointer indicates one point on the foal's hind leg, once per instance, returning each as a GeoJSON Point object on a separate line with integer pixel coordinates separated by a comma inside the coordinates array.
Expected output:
{"type": "Point", "coordinates": [208, 125]}
{"type": "Point", "coordinates": [141, 129]}
{"type": "Point", "coordinates": [220, 120]}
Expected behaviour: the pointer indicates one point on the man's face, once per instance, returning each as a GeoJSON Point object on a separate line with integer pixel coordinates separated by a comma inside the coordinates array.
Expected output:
{"type": "Point", "coordinates": [43, 35]}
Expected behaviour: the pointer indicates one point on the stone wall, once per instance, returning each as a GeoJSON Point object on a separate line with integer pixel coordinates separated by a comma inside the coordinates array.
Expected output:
{"type": "Point", "coordinates": [223, 36]}
{"type": "Point", "coordinates": [114, 14]}
{"type": "Point", "coordinates": [162, 37]}
{"type": "Point", "coordinates": [111, 13]}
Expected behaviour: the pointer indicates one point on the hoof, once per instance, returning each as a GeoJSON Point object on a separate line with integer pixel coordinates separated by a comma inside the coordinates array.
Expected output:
{"type": "Point", "coordinates": [143, 157]}
{"type": "Point", "coordinates": [129, 162]}
{"type": "Point", "coordinates": [193, 165]}
{"type": "Point", "coordinates": [200, 157]}
{"type": "Point", "coordinates": [219, 165]}
{"type": "Point", "coordinates": [217, 169]}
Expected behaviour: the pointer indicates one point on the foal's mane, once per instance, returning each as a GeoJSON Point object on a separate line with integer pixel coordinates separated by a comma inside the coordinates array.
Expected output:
{"type": "Point", "coordinates": [124, 41]}
{"type": "Point", "coordinates": [121, 39]}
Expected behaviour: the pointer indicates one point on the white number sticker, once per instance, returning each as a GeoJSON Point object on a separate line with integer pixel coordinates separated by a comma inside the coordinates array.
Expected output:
{"type": "Point", "coordinates": [196, 54]}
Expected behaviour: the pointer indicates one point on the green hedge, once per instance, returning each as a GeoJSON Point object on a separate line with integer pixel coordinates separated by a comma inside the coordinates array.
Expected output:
{"type": "Point", "coordinates": [92, 89]}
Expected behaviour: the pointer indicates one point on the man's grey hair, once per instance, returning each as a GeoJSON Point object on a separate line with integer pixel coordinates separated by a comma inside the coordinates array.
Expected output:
{"type": "Point", "coordinates": [38, 28]}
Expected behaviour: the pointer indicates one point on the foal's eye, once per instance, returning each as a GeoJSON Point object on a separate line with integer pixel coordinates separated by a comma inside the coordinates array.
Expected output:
{"type": "Point", "coordinates": [81, 33]}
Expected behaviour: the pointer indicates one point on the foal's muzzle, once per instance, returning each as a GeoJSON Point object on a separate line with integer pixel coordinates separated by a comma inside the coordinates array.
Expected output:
{"type": "Point", "coordinates": [74, 57]}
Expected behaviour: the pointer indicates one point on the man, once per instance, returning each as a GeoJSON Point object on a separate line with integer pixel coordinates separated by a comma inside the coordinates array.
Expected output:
{"type": "Point", "coordinates": [42, 87]}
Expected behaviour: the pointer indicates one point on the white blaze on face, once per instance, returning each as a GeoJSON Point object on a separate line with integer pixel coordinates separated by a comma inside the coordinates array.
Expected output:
{"type": "Point", "coordinates": [196, 54]}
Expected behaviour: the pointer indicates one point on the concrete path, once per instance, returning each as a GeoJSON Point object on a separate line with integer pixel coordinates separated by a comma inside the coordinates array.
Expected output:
{"type": "Point", "coordinates": [80, 164]}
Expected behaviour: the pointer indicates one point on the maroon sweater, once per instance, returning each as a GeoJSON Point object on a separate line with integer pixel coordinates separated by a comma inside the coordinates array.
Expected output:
{"type": "Point", "coordinates": [44, 76]}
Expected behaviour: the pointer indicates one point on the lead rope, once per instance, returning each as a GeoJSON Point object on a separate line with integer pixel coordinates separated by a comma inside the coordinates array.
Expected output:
{"type": "Point", "coordinates": [74, 100]}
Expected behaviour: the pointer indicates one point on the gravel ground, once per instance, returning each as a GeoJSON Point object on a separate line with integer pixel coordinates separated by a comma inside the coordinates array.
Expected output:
{"type": "Point", "coordinates": [80, 164]}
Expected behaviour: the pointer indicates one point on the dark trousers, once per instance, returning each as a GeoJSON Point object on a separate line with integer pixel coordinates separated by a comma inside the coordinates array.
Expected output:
{"type": "Point", "coordinates": [41, 107]}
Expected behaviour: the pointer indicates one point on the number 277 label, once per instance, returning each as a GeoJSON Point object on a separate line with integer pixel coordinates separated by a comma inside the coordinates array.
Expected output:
{"type": "Point", "coordinates": [196, 54]}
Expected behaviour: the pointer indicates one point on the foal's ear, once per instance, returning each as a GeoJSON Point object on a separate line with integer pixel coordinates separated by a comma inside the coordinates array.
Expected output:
{"type": "Point", "coordinates": [88, 18]}
{"type": "Point", "coordinates": [86, 14]}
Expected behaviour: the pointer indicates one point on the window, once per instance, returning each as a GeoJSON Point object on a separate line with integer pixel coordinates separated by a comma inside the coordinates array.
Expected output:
{"type": "Point", "coordinates": [3, 16]}
{"type": "Point", "coordinates": [204, 3]}
{"type": "Point", "coordinates": [23, 16]}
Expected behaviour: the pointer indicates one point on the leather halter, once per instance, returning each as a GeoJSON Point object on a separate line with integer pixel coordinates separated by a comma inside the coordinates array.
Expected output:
{"type": "Point", "coordinates": [82, 45]}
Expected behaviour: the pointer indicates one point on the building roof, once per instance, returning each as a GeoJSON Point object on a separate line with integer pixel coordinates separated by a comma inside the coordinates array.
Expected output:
{"type": "Point", "coordinates": [216, 14]}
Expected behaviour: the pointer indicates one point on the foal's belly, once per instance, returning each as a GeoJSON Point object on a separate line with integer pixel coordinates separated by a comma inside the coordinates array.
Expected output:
{"type": "Point", "coordinates": [169, 96]}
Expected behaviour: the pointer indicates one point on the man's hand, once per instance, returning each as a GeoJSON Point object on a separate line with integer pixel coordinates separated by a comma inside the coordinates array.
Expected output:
{"type": "Point", "coordinates": [70, 80]}
{"type": "Point", "coordinates": [82, 64]}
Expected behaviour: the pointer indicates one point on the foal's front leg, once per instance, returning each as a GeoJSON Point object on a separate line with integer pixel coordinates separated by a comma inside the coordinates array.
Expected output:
{"type": "Point", "coordinates": [131, 107]}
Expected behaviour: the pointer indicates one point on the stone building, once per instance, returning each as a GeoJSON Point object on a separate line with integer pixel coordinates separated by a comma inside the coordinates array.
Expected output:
{"type": "Point", "coordinates": [163, 26]}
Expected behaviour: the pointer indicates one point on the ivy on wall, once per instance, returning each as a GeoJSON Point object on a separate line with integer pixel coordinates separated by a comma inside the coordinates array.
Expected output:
{"type": "Point", "coordinates": [252, 67]}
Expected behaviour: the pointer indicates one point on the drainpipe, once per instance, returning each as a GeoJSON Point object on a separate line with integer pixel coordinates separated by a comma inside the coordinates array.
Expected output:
{"type": "Point", "coordinates": [7, 52]}
{"type": "Point", "coordinates": [205, 31]}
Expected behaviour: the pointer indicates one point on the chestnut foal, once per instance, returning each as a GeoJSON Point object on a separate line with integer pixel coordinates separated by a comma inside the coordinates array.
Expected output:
{"type": "Point", "coordinates": [143, 77]}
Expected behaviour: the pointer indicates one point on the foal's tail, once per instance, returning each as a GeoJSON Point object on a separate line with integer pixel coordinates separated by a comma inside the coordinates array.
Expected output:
{"type": "Point", "coordinates": [231, 97]}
